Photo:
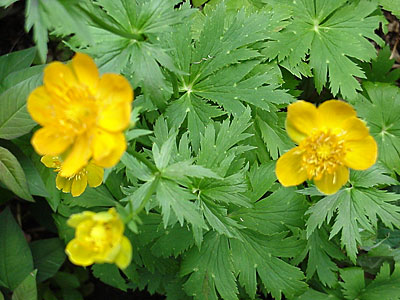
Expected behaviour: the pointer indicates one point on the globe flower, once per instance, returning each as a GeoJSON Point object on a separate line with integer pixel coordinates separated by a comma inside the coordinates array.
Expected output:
{"type": "Point", "coordinates": [83, 115]}
{"type": "Point", "coordinates": [76, 184]}
{"type": "Point", "coordinates": [98, 239]}
{"type": "Point", "coordinates": [331, 139]}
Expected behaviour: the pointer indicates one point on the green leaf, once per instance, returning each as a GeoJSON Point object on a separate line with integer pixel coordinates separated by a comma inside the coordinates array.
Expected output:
{"type": "Point", "coordinates": [353, 282]}
{"type": "Point", "coordinates": [259, 253]}
{"type": "Point", "coordinates": [355, 208]}
{"type": "Point", "coordinates": [210, 269]}
{"type": "Point", "coordinates": [110, 275]}
{"type": "Point", "coordinates": [390, 5]}
{"type": "Point", "coordinates": [12, 175]}
{"type": "Point", "coordinates": [315, 295]}
{"type": "Point", "coordinates": [27, 288]}
{"type": "Point", "coordinates": [332, 33]}
{"type": "Point", "coordinates": [92, 197]}
{"type": "Point", "coordinates": [383, 115]}
{"type": "Point", "coordinates": [6, 3]}
{"type": "Point", "coordinates": [320, 251]}
{"type": "Point", "coordinates": [48, 256]}
{"type": "Point", "coordinates": [14, 118]}
{"type": "Point", "coordinates": [174, 242]}
{"type": "Point", "coordinates": [283, 209]}
{"type": "Point", "coordinates": [16, 258]}
{"type": "Point", "coordinates": [15, 61]}
{"type": "Point", "coordinates": [371, 177]}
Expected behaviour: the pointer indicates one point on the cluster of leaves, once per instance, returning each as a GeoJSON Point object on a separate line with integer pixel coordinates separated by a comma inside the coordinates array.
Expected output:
{"type": "Point", "coordinates": [196, 186]}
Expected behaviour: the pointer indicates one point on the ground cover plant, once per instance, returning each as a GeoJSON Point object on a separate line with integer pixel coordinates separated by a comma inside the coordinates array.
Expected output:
{"type": "Point", "coordinates": [236, 149]}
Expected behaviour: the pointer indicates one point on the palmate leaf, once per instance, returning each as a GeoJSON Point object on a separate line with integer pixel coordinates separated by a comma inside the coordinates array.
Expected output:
{"type": "Point", "coordinates": [354, 207]}
{"type": "Point", "coordinates": [127, 37]}
{"type": "Point", "coordinates": [331, 33]}
{"type": "Point", "coordinates": [219, 67]}
{"type": "Point", "coordinates": [383, 115]}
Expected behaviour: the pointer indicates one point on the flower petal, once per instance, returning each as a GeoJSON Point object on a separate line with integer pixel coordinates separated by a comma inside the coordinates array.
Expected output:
{"type": "Point", "coordinates": [115, 96]}
{"type": "Point", "coordinates": [289, 168]}
{"type": "Point", "coordinates": [94, 174]}
{"type": "Point", "coordinates": [331, 183]}
{"type": "Point", "coordinates": [334, 112]}
{"type": "Point", "coordinates": [85, 70]}
{"type": "Point", "coordinates": [49, 140]}
{"type": "Point", "coordinates": [354, 129]}
{"type": "Point", "coordinates": [58, 78]}
{"type": "Point", "coordinates": [77, 158]}
{"type": "Point", "coordinates": [63, 184]}
{"type": "Point", "coordinates": [361, 154]}
{"type": "Point", "coordinates": [51, 161]}
{"type": "Point", "coordinates": [107, 148]}
{"type": "Point", "coordinates": [124, 256]}
{"type": "Point", "coordinates": [40, 106]}
{"type": "Point", "coordinates": [79, 183]}
{"type": "Point", "coordinates": [301, 120]}
{"type": "Point", "coordinates": [78, 254]}
{"type": "Point", "coordinates": [75, 219]}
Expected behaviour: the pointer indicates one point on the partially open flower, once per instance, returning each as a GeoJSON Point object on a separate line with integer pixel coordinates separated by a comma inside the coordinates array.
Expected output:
{"type": "Point", "coordinates": [83, 115]}
{"type": "Point", "coordinates": [99, 238]}
{"type": "Point", "coordinates": [331, 140]}
{"type": "Point", "coordinates": [76, 184]}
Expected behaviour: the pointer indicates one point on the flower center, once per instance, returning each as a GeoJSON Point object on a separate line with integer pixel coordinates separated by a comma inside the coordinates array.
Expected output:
{"type": "Point", "coordinates": [100, 237]}
{"type": "Point", "coordinates": [79, 110]}
{"type": "Point", "coordinates": [322, 152]}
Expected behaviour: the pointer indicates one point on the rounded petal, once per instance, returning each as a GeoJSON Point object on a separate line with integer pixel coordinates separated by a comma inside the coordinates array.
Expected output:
{"type": "Point", "coordinates": [114, 88]}
{"type": "Point", "coordinates": [289, 168]}
{"type": "Point", "coordinates": [85, 70]}
{"type": "Point", "coordinates": [78, 254]}
{"type": "Point", "coordinates": [77, 158]}
{"type": "Point", "coordinates": [115, 116]}
{"type": "Point", "coordinates": [354, 129]}
{"type": "Point", "coordinates": [75, 219]}
{"type": "Point", "coordinates": [58, 78]}
{"type": "Point", "coordinates": [63, 184]}
{"type": "Point", "coordinates": [79, 184]}
{"type": "Point", "coordinates": [361, 154]}
{"type": "Point", "coordinates": [301, 120]}
{"type": "Point", "coordinates": [94, 175]}
{"type": "Point", "coordinates": [334, 112]}
{"type": "Point", "coordinates": [331, 183]}
{"type": "Point", "coordinates": [49, 140]}
{"type": "Point", "coordinates": [124, 256]}
{"type": "Point", "coordinates": [51, 161]}
{"type": "Point", "coordinates": [107, 148]}
{"type": "Point", "coordinates": [40, 106]}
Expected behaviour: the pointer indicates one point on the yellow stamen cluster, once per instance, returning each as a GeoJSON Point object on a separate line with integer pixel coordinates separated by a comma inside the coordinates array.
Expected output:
{"type": "Point", "coordinates": [322, 152]}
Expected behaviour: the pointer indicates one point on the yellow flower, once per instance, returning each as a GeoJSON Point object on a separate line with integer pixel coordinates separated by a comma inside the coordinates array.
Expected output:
{"type": "Point", "coordinates": [76, 184]}
{"type": "Point", "coordinates": [99, 238]}
{"type": "Point", "coordinates": [331, 139]}
{"type": "Point", "coordinates": [83, 115]}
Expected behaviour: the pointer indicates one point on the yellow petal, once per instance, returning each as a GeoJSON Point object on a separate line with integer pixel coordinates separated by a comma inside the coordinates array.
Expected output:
{"type": "Point", "coordinates": [85, 70]}
{"type": "Point", "coordinates": [289, 168]}
{"type": "Point", "coordinates": [77, 158]}
{"type": "Point", "coordinates": [115, 96]}
{"type": "Point", "coordinates": [63, 184]}
{"type": "Point", "coordinates": [107, 148]}
{"type": "Point", "coordinates": [58, 78]}
{"type": "Point", "coordinates": [94, 174]}
{"type": "Point", "coordinates": [361, 154]}
{"type": "Point", "coordinates": [334, 112]}
{"type": "Point", "coordinates": [79, 184]}
{"type": "Point", "coordinates": [331, 183]}
{"type": "Point", "coordinates": [354, 129]}
{"type": "Point", "coordinates": [40, 106]}
{"type": "Point", "coordinates": [51, 161]}
{"type": "Point", "coordinates": [124, 256]}
{"type": "Point", "coordinates": [75, 219]}
{"type": "Point", "coordinates": [49, 140]}
{"type": "Point", "coordinates": [78, 254]}
{"type": "Point", "coordinates": [301, 120]}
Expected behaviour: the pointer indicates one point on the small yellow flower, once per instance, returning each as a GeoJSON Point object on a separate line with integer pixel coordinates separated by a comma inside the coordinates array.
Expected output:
{"type": "Point", "coordinates": [331, 140]}
{"type": "Point", "coordinates": [76, 184]}
{"type": "Point", "coordinates": [99, 238]}
{"type": "Point", "coordinates": [83, 115]}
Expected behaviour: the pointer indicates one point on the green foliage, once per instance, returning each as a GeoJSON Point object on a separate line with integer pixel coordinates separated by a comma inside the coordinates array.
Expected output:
{"type": "Point", "coordinates": [196, 186]}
